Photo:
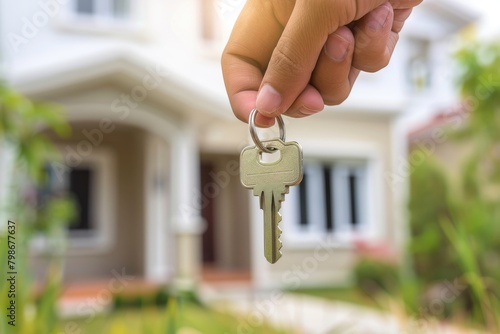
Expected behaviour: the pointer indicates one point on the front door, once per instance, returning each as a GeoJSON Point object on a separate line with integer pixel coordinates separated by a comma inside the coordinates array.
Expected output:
{"type": "Point", "coordinates": [208, 213]}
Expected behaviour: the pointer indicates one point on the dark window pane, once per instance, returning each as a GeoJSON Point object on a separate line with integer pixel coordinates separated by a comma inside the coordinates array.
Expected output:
{"type": "Point", "coordinates": [85, 6]}
{"type": "Point", "coordinates": [303, 201]}
{"type": "Point", "coordinates": [353, 198]}
{"type": "Point", "coordinates": [79, 187]}
{"type": "Point", "coordinates": [328, 190]}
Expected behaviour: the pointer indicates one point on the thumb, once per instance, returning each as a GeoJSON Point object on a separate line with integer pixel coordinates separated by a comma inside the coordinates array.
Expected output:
{"type": "Point", "coordinates": [297, 51]}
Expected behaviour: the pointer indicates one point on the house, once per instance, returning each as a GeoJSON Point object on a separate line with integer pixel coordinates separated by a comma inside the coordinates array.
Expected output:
{"type": "Point", "coordinates": [434, 138]}
{"type": "Point", "coordinates": [153, 157]}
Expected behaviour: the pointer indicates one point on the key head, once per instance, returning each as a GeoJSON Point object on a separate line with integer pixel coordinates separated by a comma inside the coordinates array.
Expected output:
{"type": "Point", "coordinates": [286, 171]}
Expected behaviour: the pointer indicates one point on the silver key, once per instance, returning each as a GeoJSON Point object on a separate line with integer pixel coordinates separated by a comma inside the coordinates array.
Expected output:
{"type": "Point", "coordinates": [270, 181]}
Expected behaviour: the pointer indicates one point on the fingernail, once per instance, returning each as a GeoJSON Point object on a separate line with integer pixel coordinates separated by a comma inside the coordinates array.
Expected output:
{"type": "Point", "coordinates": [381, 15]}
{"type": "Point", "coordinates": [268, 100]}
{"type": "Point", "coordinates": [336, 47]}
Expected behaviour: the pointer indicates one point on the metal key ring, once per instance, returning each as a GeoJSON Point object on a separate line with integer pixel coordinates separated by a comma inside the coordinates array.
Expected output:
{"type": "Point", "coordinates": [256, 139]}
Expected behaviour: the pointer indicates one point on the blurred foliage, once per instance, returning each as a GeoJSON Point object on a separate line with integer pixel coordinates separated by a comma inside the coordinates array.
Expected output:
{"type": "Point", "coordinates": [374, 276]}
{"type": "Point", "coordinates": [159, 297]}
{"type": "Point", "coordinates": [428, 204]}
{"type": "Point", "coordinates": [455, 223]}
{"type": "Point", "coordinates": [479, 82]}
{"type": "Point", "coordinates": [141, 299]}
{"type": "Point", "coordinates": [180, 316]}
{"type": "Point", "coordinates": [21, 122]}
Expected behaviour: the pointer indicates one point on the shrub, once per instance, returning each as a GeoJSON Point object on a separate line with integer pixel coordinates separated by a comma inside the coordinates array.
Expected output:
{"type": "Point", "coordinates": [375, 276]}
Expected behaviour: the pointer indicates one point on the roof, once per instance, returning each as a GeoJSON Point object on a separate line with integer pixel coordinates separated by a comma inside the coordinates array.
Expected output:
{"type": "Point", "coordinates": [126, 67]}
{"type": "Point", "coordinates": [455, 117]}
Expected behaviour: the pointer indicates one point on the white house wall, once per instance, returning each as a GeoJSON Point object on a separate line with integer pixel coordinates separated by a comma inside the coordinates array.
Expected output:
{"type": "Point", "coordinates": [326, 261]}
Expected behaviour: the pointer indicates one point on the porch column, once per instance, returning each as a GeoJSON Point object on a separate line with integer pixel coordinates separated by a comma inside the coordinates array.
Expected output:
{"type": "Point", "coordinates": [158, 249]}
{"type": "Point", "coordinates": [186, 207]}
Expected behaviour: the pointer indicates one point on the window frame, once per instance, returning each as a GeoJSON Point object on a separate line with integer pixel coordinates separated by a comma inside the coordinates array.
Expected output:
{"type": "Point", "coordinates": [103, 10]}
{"type": "Point", "coordinates": [70, 19]}
{"type": "Point", "coordinates": [371, 229]}
{"type": "Point", "coordinates": [101, 237]}
{"type": "Point", "coordinates": [339, 171]}
{"type": "Point", "coordinates": [419, 54]}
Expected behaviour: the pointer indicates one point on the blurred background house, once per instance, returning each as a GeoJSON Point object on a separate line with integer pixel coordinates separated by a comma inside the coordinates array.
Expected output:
{"type": "Point", "coordinates": [153, 157]}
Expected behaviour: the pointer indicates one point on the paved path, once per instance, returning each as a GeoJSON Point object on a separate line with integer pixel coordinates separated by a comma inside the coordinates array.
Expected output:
{"type": "Point", "coordinates": [302, 314]}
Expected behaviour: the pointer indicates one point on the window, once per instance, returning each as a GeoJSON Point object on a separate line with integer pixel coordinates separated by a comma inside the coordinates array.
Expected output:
{"type": "Point", "coordinates": [76, 183]}
{"type": "Point", "coordinates": [331, 200]}
{"type": "Point", "coordinates": [419, 67]}
{"type": "Point", "coordinates": [115, 17]}
{"type": "Point", "coordinates": [92, 185]}
{"type": "Point", "coordinates": [114, 10]}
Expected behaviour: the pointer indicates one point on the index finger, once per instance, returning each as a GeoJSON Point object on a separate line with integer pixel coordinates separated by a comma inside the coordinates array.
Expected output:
{"type": "Point", "coordinates": [300, 46]}
{"type": "Point", "coordinates": [247, 53]}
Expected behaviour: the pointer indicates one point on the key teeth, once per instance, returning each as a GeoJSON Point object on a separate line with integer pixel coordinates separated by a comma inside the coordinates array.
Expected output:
{"type": "Point", "coordinates": [278, 235]}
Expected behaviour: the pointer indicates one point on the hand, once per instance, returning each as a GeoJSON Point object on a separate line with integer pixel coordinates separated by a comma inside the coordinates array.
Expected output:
{"type": "Point", "coordinates": [293, 57]}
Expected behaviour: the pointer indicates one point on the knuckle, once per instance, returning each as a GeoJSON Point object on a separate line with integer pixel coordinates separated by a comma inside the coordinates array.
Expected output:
{"type": "Point", "coordinates": [378, 59]}
{"type": "Point", "coordinates": [286, 59]}
{"type": "Point", "coordinates": [400, 17]}
{"type": "Point", "coordinates": [348, 10]}
{"type": "Point", "coordinates": [398, 26]}
{"type": "Point", "coordinates": [340, 95]}
{"type": "Point", "coordinates": [335, 13]}
{"type": "Point", "coordinates": [369, 37]}
{"type": "Point", "coordinates": [373, 67]}
{"type": "Point", "coordinates": [383, 61]}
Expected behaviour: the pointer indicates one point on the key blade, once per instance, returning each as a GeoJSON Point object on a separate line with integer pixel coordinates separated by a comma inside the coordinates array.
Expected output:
{"type": "Point", "coordinates": [272, 231]}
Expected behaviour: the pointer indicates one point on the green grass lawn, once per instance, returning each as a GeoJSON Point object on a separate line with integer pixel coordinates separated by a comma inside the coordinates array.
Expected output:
{"type": "Point", "coordinates": [168, 320]}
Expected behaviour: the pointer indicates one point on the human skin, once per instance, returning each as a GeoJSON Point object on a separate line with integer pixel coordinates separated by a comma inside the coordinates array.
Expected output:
{"type": "Point", "coordinates": [293, 57]}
